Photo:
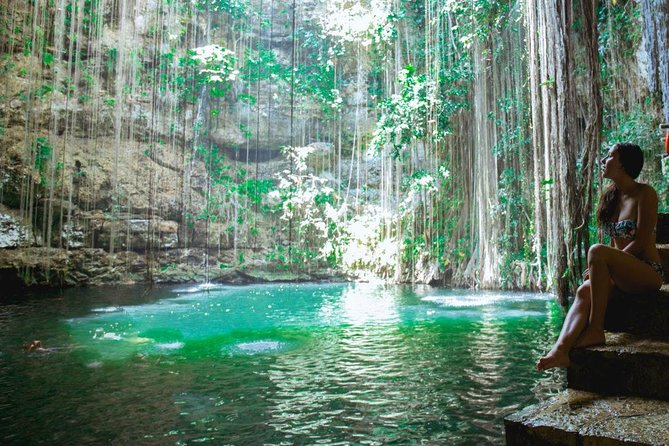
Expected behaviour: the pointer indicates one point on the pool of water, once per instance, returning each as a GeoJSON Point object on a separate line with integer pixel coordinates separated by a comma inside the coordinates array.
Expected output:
{"type": "Point", "coordinates": [272, 364]}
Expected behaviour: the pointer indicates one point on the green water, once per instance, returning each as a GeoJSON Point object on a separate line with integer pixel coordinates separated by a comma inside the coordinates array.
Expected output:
{"type": "Point", "coordinates": [272, 364]}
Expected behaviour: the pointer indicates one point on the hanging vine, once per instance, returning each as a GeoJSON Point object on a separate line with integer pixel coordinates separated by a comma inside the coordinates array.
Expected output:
{"type": "Point", "coordinates": [446, 142]}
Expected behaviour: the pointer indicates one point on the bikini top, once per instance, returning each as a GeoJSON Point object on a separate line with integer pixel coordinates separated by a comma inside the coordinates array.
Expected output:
{"type": "Point", "coordinates": [625, 229]}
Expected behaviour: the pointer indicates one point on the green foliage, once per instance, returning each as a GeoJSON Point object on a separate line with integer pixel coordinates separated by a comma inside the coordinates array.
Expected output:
{"type": "Point", "coordinates": [27, 46]}
{"type": "Point", "coordinates": [405, 116]}
{"type": "Point", "coordinates": [413, 248]}
{"type": "Point", "coordinates": [277, 256]}
{"type": "Point", "coordinates": [167, 266]}
{"type": "Point", "coordinates": [112, 58]}
{"type": "Point", "coordinates": [47, 59]}
{"type": "Point", "coordinates": [619, 28]}
{"type": "Point", "coordinates": [43, 91]}
{"type": "Point", "coordinates": [238, 10]}
{"type": "Point", "coordinates": [479, 20]}
{"type": "Point", "coordinates": [315, 77]}
{"type": "Point", "coordinates": [638, 126]}
{"type": "Point", "coordinates": [42, 165]}
{"type": "Point", "coordinates": [309, 221]}
{"type": "Point", "coordinates": [255, 190]}
{"type": "Point", "coordinates": [262, 64]}
{"type": "Point", "coordinates": [43, 152]}
{"type": "Point", "coordinates": [185, 81]}
{"type": "Point", "coordinates": [515, 243]}
{"type": "Point", "coordinates": [91, 19]}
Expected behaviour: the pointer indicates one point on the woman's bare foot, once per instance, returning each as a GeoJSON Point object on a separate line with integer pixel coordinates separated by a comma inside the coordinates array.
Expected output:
{"type": "Point", "coordinates": [554, 358]}
{"type": "Point", "coordinates": [591, 336]}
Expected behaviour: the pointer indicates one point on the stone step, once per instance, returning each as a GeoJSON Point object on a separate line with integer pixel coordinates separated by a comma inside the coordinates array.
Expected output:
{"type": "Point", "coordinates": [626, 365]}
{"type": "Point", "coordinates": [645, 314]}
{"type": "Point", "coordinates": [575, 417]}
{"type": "Point", "coordinates": [662, 228]}
{"type": "Point", "coordinates": [663, 250]}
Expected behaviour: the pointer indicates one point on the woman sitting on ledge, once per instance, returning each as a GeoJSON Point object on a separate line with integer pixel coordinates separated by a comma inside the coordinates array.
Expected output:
{"type": "Point", "coordinates": [628, 213]}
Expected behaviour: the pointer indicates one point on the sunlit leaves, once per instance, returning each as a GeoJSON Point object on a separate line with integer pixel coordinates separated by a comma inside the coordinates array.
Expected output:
{"type": "Point", "coordinates": [405, 116]}
{"type": "Point", "coordinates": [216, 64]}
{"type": "Point", "coordinates": [237, 9]}
{"type": "Point", "coordinates": [366, 22]}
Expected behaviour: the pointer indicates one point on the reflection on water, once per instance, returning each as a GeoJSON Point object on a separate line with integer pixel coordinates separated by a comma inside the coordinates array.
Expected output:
{"type": "Point", "coordinates": [367, 304]}
{"type": "Point", "coordinates": [289, 364]}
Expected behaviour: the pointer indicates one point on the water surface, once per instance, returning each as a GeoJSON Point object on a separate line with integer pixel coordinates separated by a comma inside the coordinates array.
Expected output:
{"type": "Point", "coordinates": [272, 364]}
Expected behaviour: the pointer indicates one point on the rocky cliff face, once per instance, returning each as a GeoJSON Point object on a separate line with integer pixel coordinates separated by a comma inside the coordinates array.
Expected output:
{"type": "Point", "coordinates": [114, 147]}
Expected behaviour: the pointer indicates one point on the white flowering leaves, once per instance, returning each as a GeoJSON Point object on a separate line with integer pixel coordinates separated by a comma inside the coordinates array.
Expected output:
{"type": "Point", "coordinates": [217, 64]}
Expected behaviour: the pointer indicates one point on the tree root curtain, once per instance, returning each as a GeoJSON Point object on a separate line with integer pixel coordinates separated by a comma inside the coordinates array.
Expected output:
{"type": "Point", "coordinates": [436, 141]}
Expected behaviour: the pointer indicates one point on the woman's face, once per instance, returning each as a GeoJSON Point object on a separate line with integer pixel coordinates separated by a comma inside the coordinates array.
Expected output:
{"type": "Point", "coordinates": [611, 165]}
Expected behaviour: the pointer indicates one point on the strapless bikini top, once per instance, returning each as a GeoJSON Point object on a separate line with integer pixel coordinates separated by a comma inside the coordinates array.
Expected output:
{"type": "Point", "coordinates": [625, 229]}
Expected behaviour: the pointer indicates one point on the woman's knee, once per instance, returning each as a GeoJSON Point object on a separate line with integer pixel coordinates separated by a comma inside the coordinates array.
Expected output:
{"type": "Point", "coordinates": [597, 252]}
{"type": "Point", "coordinates": [583, 292]}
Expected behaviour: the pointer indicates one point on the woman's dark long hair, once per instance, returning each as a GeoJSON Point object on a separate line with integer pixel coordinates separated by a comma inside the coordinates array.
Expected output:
{"type": "Point", "coordinates": [631, 158]}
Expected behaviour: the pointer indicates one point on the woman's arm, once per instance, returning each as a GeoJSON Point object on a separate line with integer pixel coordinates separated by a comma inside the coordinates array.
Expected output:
{"type": "Point", "coordinates": [645, 223]}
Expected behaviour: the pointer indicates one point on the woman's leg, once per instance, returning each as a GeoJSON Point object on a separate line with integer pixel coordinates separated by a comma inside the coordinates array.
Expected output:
{"type": "Point", "coordinates": [608, 267]}
{"type": "Point", "coordinates": [612, 266]}
{"type": "Point", "coordinates": [574, 324]}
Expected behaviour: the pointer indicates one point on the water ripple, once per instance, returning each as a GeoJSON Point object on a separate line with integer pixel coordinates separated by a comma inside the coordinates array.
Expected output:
{"type": "Point", "coordinates": [316, 365]}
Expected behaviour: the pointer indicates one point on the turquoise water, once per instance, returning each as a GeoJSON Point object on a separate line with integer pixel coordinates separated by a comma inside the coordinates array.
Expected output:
{"type": "Point", "coordinates": [272, 364]}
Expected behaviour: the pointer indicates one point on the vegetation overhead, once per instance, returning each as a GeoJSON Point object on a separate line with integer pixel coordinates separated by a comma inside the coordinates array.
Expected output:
{"type": "Point", "coordinates": [438, 141]}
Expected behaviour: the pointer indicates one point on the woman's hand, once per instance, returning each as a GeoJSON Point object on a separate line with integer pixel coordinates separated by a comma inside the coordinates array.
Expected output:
{"type": "Point", "coordinates": [586, 274]}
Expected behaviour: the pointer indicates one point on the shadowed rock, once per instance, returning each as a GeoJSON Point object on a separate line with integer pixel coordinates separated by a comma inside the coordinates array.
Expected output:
{"type": "Point", "coordinates": [646, 314]}
{"type": "Point", "coordinates": [626, 365]}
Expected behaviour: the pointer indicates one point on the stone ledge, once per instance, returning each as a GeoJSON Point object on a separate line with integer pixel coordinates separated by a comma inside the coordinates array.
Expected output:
{"type": "Point", "coordinates": [644, 314]}
{"type": "Point", "coordinates": [662, 228]}
{"type": "Point", "coordinates": [583, 418]}
{"type": "Point", "coordinates": [626, 365]}
{"type": "Point", "coordinates": [663, 250]}
{"type": "Point", "coordinates": [626, 343]}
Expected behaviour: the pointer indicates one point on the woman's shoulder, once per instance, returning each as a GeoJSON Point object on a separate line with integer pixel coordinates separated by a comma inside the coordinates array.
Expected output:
{"type": "Point", "coordinates": [647, 191]}
{"type": "Point", "coordinates": [647, 196]}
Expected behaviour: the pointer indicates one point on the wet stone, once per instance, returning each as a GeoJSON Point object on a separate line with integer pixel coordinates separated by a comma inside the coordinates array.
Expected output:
{"type": "Point", "coordinates": [576, 418]}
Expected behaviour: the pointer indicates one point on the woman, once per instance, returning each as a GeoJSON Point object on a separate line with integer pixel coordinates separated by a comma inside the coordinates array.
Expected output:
{"type": "Point", "coordinates": [628, 213]}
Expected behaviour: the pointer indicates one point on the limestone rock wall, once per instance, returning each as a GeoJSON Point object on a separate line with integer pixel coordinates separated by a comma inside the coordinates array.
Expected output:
{"type": "Point", "coordinates": [113, 150]}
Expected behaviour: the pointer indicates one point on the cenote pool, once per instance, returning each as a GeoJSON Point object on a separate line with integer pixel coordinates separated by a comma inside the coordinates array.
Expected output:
{"type": "Point", "coordinates": [272, 364]}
